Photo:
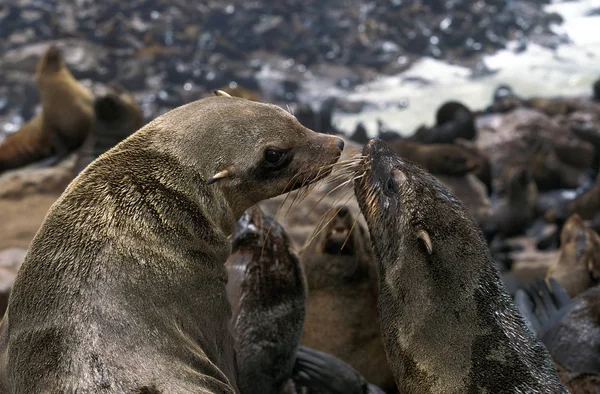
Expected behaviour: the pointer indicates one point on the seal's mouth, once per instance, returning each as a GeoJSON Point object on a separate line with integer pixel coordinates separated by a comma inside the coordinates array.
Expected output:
{"type": "Point", "coordinates": [339, 241]}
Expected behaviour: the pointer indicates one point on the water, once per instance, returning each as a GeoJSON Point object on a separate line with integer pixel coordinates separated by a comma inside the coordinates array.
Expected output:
{"type": "Point", "coordinates": [568, 71]}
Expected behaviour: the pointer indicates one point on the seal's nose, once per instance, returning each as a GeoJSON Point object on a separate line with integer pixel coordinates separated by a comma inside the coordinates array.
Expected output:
{"type": "Point", "coordinates": [340, 144]}
{"type": "Point", "coordinates": [343, 211]}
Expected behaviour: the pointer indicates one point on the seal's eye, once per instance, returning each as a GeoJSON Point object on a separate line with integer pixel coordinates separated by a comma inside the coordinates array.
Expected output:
{"type": "Point", "coordinates": [390, 187]}
{"type": "Point", "coordinates": [275, 157]}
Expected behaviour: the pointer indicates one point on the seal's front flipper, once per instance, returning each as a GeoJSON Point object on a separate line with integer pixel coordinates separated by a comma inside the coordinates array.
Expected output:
{"type": "Point", "coordinates": [543, 306]}
{"type": "Point", "coordinates": [324, 372]}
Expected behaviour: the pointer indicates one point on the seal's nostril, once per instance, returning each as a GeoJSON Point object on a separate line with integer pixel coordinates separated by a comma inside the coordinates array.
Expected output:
{"type": "Point", "coordinates": [340, 144]}
{"type": "Point", "coordinates": [343, 212]}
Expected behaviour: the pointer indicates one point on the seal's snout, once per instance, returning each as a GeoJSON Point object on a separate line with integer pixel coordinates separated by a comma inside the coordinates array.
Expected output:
{"type": "Point", "coordinates": [340, 144]}
{"type": "Point", "coordinates": [343, 212]}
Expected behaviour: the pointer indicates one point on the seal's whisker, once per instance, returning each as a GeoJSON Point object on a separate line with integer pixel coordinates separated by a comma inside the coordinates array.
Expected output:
{"type": "Point", "coordinates": [350, 232]}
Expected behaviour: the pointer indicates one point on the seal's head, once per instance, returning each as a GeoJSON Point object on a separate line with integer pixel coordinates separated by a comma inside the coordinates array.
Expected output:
{"type": "Point", "coordinates": [51, 62]}
{"type": "Point", "coordinates": [251, 151]}
{"type": "Point", "coordinates": [268, 297]}
{"type": "Point", "coordinates": [578, 267]}
{"type": "Point", "coordinates": [339, 252]}
{"type": "Point", "coordinates": [401, 200]}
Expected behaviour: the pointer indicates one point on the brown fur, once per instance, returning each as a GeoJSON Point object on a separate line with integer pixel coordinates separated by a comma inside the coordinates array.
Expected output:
{"type": "Point", "coordinates": [117, 116]}
{"type": "Point", "coordinates": [447, 321]}
{"type": "Point", "coordinates": [66, 119]}
{"type": "Point", "coordinates": [123, 287]}
{"type": "Point", "coordinates": [443, 159]}
{"type": "Point", "coordinates": [578, 265]}
{"type": "Point", "coordinates": [341, 316]}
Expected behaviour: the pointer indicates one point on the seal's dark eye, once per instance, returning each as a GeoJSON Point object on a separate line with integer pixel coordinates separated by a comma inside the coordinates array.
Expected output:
{"type": "Point", "coordinates": [275, 157]}
{"type": "Point", "coordinates": [391, 187]}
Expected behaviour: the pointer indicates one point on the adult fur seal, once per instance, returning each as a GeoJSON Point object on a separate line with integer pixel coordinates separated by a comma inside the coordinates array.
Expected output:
{"type": "Point", "coordinates": [123, 287]}
{"type": "Point", "coordinates": [267, 292]}
{"type": "Point", "coordinates": [66, 119]}
{"type": "Point", "coordinates": [341, 316]}
{"type": "Point", "coordinates": [447, 322]}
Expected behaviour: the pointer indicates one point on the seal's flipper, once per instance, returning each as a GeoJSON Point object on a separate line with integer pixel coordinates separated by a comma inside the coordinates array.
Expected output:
{"type": "Point", "coordinates": [324, 372]}
{"type": "Point", "coordinates": [543, 306]}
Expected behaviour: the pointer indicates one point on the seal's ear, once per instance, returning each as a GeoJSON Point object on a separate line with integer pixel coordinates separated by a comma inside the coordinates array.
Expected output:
{"type": "Point", "coordinates": [217, 176]}
{"type": "Point", "coordinates": [221, 93]}
{"type": "Point", "coordinates": [424, 236]}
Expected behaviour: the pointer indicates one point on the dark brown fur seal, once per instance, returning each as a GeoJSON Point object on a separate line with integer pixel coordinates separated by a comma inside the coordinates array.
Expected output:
{"type": "Point", "coordinates": [445, 159]}
{"type": "Point", "coordinates": [66, 119]}
{"type": "Point", "coordinates": [448, 324]}
{"type": "Point", "coordinates": [341, 313]}
{"type": "Point", "coordinates": [514, 213]}
{"type": "Point", "coordinates": [453, 120]}
{"type": "Point", "coordinates": [578, 265]}
{"type": "Point", "coordinates": [267, 292]}
{"type": "Point", "coordinates": [117, 116]}
{"type": "Point", "coordinates": [123, 287]}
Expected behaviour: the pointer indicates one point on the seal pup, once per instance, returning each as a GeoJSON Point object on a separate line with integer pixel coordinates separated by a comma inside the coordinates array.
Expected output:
{"type": "Point", "coordinates": [267, 292]}
{"type": "Point", "coordinates": [447, 322]}
{"type": "Point", "coordinates": [569, 328]}
{"type": "Point", "coordinates": [578, 265]}
{"type": "Point", "coordinates": [341, 312]}
{"type": "Point", "coordinates": [63, 125]}
{"type": "Point", "coordinates": [123, 288]}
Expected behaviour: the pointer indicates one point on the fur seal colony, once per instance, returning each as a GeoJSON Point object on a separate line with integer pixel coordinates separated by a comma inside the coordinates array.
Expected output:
{"type": "Point", "coordinates": [342, 317]}
{"type": "Point", "coordinates": [123, 287]}
{"type": "Point", "coordinates": [267, 292]}
{"type": "Point", "coordinates": [63, 125]}
{"type": "Point", "coordinates": [447, 322]}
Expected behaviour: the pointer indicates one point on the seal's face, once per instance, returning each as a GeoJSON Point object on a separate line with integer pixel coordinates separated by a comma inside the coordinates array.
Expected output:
{"type": "Point", "coordinates": [262, 239]}
{"type": "Point", "coordinates": [51, 62]}
{"type": "Point", "coordinates": [268, 152]}
{"type": "Point", "coordinates": [398, 199]}
{"type": "Point", "coordinates": [339, 248]}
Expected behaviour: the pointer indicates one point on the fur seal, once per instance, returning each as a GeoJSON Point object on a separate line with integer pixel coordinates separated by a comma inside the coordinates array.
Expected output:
{"type": "Point", "coordinates": [569, 328]}
{"type": "Point", "coordinates": [578, 265]}
{"type": "Point", "coordinates": [117, 116]}
{"type": "Point", "coordinates": [445, 159]}
{"type": "Point", "coordinates": [267, 292]}
{"type": "Point", "coordinates": [123, 288]}
{"type": "Point", "coordinates": [453, 120]}
{"type": "Point", "coordinates": [63, 125]}
{"type": "Point", "coordinates": [341, 312]}
{"type": "Point", "coordinates": [447, 322]}
{"type": "Point", "coordinates": [514, 214]}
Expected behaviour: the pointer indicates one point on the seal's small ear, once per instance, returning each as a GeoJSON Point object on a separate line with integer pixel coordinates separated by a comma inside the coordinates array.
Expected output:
{"type": "Point", "coordinates": [221, 93]}
{"type": "Point", "coordinates": [424, 236]}
{"type": "Point", "coordinates": [217, 176]}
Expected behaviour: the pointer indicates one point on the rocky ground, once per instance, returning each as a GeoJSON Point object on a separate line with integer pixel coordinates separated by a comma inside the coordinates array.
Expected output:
{"type": "Point", "coordinates": [172, 52]}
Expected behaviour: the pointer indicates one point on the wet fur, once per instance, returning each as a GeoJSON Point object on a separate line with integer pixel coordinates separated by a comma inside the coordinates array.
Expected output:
{"type": "Point", "coordinates": [123, 287]}
{"type": "Point", "coordinates": [448, 324]}
{"type": "Point", "coordinates": [342, 317]}
{"type": "Point", "coordinates": [267, 291]}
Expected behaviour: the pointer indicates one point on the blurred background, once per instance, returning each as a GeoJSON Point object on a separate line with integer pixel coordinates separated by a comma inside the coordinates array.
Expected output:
{"type": "Point", "coordinates": [392, 60]}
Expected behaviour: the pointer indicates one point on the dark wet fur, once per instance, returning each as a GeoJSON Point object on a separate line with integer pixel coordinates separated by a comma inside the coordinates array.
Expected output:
{"type": "Point", "coordinates": [448, 323]}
